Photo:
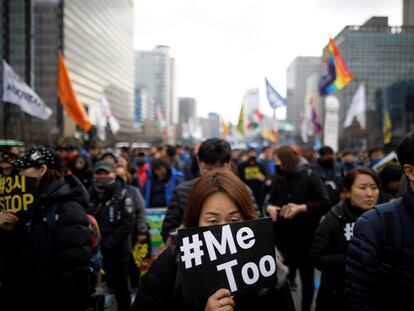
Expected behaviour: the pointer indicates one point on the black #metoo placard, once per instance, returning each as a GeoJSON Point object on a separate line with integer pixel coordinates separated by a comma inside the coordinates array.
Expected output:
{"type": "Point", "coordinates": [238, 256]}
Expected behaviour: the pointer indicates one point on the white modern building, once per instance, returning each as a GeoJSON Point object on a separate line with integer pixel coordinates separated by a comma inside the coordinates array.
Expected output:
{"type": "Point", "coordinates": [155, 72]}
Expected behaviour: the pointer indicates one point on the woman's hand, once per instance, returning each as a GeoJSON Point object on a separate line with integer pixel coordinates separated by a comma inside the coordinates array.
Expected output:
{"type": "Point", "coordinates": [221, 300]}
{"type": "Point", "coordinates": [8, 220]}
{"type": "Point", "coordinates": [273, 211]}
{"type": "Point", "coordinates": [290, 210]}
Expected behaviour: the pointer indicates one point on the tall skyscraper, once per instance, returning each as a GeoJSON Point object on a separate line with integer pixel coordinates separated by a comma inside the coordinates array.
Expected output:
{"type": "Point", "coordinates": [213, 125]}
{"type": "Point", "coordinates": [251, 102]}
{"type": "Point", "coordinates": [298, 73]}
{"type": "Point", "coordinates": [155, 70]}
{"type": "Point", "coordinates": [187, 121]}
{"type": "Point", "coordinates": [382, 58]}
{"type": "Point", "coordinates": [96, 39]}
{"type": "Point", "coordinates": [144, 104]}
{"type": "Point", "coordinates": [188, 109]}
{"type": "Point", "coordinates": [408, 12]}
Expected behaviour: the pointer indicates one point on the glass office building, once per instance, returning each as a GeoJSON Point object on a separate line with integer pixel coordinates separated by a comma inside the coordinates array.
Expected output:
{"type": "Point", "coordinates": [15, 24]}
{"type": "Point", "coordinates": [96, 37]}
{"type": "Point", "coordinates": [382, 58]}
{"type": "Point", "coordinates": [98, 48]}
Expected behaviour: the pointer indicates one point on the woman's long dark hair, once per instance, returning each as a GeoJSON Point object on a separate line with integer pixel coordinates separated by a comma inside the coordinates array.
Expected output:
{"type": "Point", "coordinates": [289, 159]}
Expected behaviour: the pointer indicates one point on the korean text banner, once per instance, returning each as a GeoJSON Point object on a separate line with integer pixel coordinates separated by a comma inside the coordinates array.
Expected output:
{"type": "Point", "coordinates": [17, 193]}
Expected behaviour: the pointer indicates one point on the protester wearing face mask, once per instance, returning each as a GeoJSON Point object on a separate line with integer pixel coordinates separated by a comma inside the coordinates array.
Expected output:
{"type": "Point", "coordinates": [115, 220]}
{"type": "Point", "coordinates": [217, 198]}
{"type": "Point", "coordinates": [45, 253]}
{"type": "Point", "coordinates": [254, 175]}
{"type": "Point", "coordinates": [6, 167]}
{"type": "Point", "coordinates": [298, 199]}
{"type": "Point", "coordinates": [330, 172]}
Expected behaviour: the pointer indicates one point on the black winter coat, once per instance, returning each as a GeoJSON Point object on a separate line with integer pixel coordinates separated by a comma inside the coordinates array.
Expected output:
{"type": "Point", "coordinates": [328, 254]}
{"type": "Point", "coordinates": [44, 267]}
{"type": "Point", "coordinates": [366, 288]}
{"type": "Point", "coordinates": [160, 290]}
{"type": "Point", "coordinates": [175, 210]}
{"type": "Point", "coordinates": [294, 236]}
{"type": "Point", "coordinates": [114, 219]}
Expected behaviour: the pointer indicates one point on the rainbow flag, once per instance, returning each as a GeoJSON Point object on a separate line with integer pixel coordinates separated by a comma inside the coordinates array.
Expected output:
{"type": "Point", "coordinates": [335, 73]}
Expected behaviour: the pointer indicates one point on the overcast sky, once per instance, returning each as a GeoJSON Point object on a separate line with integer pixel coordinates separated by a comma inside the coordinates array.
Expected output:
{"type": "Point", "coordinates": [224, 47]}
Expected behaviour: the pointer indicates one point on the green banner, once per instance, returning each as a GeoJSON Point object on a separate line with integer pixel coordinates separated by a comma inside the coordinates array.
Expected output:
{"type": "Point", "coordinates": [155, 218]}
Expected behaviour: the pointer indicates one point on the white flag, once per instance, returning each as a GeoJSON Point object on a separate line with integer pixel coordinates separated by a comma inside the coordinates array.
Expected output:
{"type": "Point", "coordinates": [16, 91]}
{"type": "Point", "coordinates": [112, 121]}
{"type": "Point", "coordinates": [303, 129]}
{"type": "Point", "coordinates": [100, 122]}
{"type": "Point", "coordinates": [357, 108]}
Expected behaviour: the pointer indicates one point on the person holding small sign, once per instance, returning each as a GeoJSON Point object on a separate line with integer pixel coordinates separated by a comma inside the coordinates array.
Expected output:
{"type": "Point", "coordinates": [217, 198]}
{"type": "Point", "coordinates": [45, 247]}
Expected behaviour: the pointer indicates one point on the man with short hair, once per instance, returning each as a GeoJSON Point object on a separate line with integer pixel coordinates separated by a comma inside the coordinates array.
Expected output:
{"type": "Point", "coordinates": [213, 154]}
{"type": "Point", "coordinates": [380, 263]}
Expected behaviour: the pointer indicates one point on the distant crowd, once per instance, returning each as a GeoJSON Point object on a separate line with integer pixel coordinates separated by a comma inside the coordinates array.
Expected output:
{"type": "Point", "coordinates": [324, 206]}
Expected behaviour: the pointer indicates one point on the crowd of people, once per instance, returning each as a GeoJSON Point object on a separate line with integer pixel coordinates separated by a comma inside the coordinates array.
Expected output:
{"type": "Point", "coordinates": [324, 207]}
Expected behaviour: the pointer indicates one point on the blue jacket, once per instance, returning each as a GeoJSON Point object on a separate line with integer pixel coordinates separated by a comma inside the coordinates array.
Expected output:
{"type": "Point", "coordinates": [270, 166]}
{"type": "Point", "coordinates": [366, 286]}
{"type": "Point", "coordinates": [175, 178]}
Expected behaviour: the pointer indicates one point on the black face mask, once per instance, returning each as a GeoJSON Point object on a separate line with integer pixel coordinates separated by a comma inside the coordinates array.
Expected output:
{"type": "Point", "coordinates": [279, 170]}
{"type": "Point", "coordinates": [252, 159]}
{"type": "Point", "coordinates": [103, 183]}
{"type": "Point", "coordinates": [327, 163]}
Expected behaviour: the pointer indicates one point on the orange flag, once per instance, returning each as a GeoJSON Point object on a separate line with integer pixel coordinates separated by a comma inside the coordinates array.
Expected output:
{"type": "Point", "coordinates": [68, 99]}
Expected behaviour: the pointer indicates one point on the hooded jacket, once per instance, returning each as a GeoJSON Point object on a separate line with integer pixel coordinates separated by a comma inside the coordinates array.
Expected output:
{"type": "Point", "coordinates": [174, 178]}
{"type": "Point", "coordinates": [49, 266]}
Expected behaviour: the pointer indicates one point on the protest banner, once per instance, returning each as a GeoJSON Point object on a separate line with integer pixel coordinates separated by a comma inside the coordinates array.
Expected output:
{"type": "Point", "coordinates": [17, 193]}
{"type": "Point", "coordinates": [389, 159]}
{"type": "Point", "coordinates": [238, 256]}
{"type": "Point", "coordinates": [155, 217]}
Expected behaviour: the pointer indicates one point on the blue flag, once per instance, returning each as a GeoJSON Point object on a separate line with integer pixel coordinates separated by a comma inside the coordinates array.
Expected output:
{"type": "Point", "coordinates": [274, 98]}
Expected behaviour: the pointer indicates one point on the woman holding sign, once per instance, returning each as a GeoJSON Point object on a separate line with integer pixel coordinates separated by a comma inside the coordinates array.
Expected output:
{"type": "Point", "coordinates": [45, 251]}
{"type": "Point", "coordinates": [334, 234]}
{"type": "Point", "coordinates": [218, 198]}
